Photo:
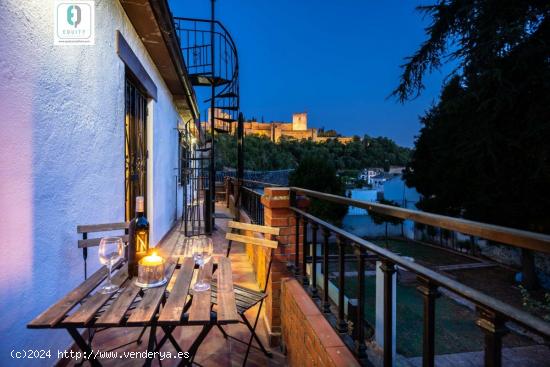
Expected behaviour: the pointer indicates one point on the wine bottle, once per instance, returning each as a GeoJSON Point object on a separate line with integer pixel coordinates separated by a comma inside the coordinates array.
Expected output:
{"type": "Point", "coordinates": [138, 233]}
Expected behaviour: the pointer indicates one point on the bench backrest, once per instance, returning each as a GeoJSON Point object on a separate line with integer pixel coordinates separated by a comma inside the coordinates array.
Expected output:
{"type": "Point", "coordinates": [270, 232]}
{"type": "Point", "coordinates": [86, 242]}
{"type": "Point", "coordinates": [232, 225]}
{"type": "Point", "coordinates": [95, 228]}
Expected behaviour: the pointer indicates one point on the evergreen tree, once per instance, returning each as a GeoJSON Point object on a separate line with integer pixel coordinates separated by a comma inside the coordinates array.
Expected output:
{"type": "Point", "coordinates": [316, 172]}
{"type": "Point", "coordinates": [483, 151]}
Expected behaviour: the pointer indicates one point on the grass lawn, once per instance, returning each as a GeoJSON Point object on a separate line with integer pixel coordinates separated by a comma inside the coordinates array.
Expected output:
{"type": "Point", "coordinates": [456, 330]}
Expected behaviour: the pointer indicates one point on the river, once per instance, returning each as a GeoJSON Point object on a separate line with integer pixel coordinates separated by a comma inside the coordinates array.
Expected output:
{"type": "Point", "coordinates": [359, 222]}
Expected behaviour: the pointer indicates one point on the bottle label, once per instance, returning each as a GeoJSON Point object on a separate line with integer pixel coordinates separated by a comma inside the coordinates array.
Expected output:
{"type": "Point", "coordinates": [142, 244]}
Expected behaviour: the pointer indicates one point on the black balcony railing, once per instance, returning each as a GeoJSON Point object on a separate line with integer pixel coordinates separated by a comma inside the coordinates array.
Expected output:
{"type": "Point", "coordinates": [251, 203]}
{"type": "Point", "coordinates": [492, 314]}
{"type": "Point", "coordinates": [249, 198]}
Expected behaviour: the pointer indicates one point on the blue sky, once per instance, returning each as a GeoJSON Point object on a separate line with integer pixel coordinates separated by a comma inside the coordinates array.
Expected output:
{"type": "Point", "coordinates": [337, 60]}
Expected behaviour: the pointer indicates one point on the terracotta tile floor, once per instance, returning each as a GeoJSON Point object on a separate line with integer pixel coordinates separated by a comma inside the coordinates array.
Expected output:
{"type": "Point", "coordinates": [215, 350]}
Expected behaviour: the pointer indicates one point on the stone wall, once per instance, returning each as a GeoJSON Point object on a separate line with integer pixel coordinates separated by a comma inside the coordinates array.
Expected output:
{"type": "Point", "coordinates": [276, 202]}
{"type": "Point", "coordinates": [314, 342]}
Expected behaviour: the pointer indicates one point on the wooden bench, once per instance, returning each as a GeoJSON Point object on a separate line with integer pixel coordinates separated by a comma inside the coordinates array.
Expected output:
{"type": "Point", "coordinates": [247, 298]}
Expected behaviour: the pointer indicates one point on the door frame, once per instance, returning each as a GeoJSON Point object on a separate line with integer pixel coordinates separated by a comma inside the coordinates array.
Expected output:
{"type": "Point", "coordinates": [139, 114]}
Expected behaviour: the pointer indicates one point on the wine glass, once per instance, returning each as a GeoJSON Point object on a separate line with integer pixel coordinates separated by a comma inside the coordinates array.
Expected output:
{"type": "Point", "coordinates": [111, 249]}
{"type": "Point", "coordinates": [202, 252]}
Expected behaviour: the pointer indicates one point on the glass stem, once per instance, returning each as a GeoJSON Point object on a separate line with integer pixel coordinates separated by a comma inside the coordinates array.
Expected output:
{"type": "Point", "coordinates": [201, 271]}
{"type": "Point", "coordinates": [110, 269]}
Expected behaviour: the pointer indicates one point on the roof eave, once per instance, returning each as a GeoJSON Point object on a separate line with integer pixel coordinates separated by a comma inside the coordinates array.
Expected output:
{"type": "Point", "coordinates": [153, 22]}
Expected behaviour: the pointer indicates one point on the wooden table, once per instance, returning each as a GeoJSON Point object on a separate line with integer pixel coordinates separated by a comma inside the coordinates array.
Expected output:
{"type": "Point", "coordinates": [167, 307]}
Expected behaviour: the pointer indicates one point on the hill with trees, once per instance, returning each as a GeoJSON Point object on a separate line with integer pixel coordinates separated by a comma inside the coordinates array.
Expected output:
{"type": "Point", "coordinates": [262, 154]}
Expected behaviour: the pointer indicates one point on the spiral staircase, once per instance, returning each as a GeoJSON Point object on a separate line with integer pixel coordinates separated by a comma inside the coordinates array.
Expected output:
{"type": "Point", "coordinates": [212, 62]}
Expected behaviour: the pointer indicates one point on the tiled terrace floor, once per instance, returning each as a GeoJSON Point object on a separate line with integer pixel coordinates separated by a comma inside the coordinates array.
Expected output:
{"type": "Point", "coordinates": [215, 350]}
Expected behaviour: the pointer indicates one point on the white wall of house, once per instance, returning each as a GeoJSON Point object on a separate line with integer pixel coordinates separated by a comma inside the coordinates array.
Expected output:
{"type": "Point", "coordinates": [62, 160]}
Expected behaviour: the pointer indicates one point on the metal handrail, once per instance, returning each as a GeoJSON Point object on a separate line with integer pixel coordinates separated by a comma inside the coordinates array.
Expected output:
{"type": "Point", "coordinates": [225, 36]}
{"type": "Point", "coordinates": [510, 236]}
{"type": "Point", "coordinates": [254, 182]}
{"type": "Point", "coordinates": [251, 203]}
{"type": "Point", "coordinates": [521, 317]}
{"type": "Point", "coordinates": [492, 313]}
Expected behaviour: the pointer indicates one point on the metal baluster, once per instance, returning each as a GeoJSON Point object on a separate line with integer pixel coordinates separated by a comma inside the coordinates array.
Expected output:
{"type": "Point", "coordinates": [297, 255]}
{"type": "Point", "coordinates": [429, 293]}
{"type": "Point", "coordinates": [85, 256]}
{"type": "Point", "coordinates": [326, 300]}
{"type": "Point", "coordinates": [313, 286]}
{"type": "Point", "coordinates": [493, 327]}
{"type": "Point", "coordinates": [388, 268]}
{"type": "Point", "coordinates": [342, 324]}
{"type": "Point", "coordinates": [360, 349]}
{"type": "Point", "coordinates": [305, 280]}
{"type": "Point", "coordinates": [261, 213]}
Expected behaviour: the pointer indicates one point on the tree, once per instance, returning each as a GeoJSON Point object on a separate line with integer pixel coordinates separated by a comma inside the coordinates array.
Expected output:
{"type": "Point", "coordinates": [378, 218]}
{"type": "Point", "coordinates": [316, 172]}
{"type": "Point", "coordinates": [263, 154]}
{"type": "Point", "coordinates": [483, 151]}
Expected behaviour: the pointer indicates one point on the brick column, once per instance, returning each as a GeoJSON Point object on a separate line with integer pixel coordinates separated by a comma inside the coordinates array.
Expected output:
{"type": "Point", "coordinates": [277, 213]}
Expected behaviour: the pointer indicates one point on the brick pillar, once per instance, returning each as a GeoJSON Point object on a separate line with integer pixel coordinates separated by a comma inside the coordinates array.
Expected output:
{"type": "Point", "coordinates": [277, 213]}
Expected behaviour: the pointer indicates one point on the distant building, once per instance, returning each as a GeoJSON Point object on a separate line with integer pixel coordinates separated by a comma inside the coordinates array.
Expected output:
{"type": "Point", "coordinates": [369, 173]}
{"type": "Point", "coordinates": [378, 180]}
{"type": "Point", "coordinates": [297, 129]}
{"type": "Point", "coordinates": [396, 170]}
{"type": "Point", "coordinates": [341, 139]}
{"type": "Point", "coordinates": [377, 176]}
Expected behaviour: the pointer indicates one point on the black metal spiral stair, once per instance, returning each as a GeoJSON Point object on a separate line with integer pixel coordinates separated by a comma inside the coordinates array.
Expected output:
{"type": "Point", "coordinates": [212, 62]}
{"type": "Point", "coordinates": [215, 67]}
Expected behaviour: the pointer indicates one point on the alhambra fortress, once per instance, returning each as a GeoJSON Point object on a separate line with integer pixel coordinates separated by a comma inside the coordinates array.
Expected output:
{"type": "Point", "coordinates": [297, 129]}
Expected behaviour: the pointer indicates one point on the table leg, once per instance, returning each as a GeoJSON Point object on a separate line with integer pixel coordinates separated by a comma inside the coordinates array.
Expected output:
{"type": "Point", "coordinates": [81, 343]}
{"type": "Point", "coordinates": [151, 343]}
{"type": "Point", "coordinates": [166, 329]}
{"type": "Point", "coordinates": [196, 344]}
{"type": "Point", "coordinates": [168, 336]}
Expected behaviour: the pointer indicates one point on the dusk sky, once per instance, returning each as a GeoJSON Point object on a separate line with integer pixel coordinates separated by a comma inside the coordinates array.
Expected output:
{"type": "Point", "coordinates": [336, 60]}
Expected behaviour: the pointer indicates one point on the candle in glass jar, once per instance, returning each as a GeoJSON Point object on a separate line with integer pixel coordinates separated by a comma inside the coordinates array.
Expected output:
{"type": "Point", "coordinates": [151, 271]}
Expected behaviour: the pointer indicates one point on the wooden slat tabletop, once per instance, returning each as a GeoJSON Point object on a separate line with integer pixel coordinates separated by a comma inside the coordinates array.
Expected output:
{"type": "Point", "coordinates": [173, 309]}
{"type": "Point", "coordinates": [146, 309]}
{"type": "Point", "coordinates": [87, 311]}
{"type": "Point", "coordinates": [227, 308]}
{"type": "Point", "coordinates": [132, 306]}
{"type": "Point", "coordinates": [114, 314]}
{"type": "Point", "coordinates": [200, 308]}
{"type": "Point", "coordinates": [55, 313]}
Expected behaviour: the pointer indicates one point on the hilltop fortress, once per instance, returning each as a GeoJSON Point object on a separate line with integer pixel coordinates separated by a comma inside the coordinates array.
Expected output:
{"type": "Point", "coordinates": [297, 129]}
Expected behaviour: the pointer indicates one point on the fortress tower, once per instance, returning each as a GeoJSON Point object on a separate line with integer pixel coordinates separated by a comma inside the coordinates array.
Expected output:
{"type": "Point", "coordinates": [299, 121]}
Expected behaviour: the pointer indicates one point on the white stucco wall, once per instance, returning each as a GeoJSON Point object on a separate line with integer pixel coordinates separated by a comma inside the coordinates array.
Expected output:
{"type": "Point", "coordinates": [62, 159]}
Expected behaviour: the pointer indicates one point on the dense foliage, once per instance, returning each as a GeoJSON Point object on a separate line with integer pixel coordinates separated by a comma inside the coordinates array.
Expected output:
{"type": "Point", "coordinates": [262, 154]}
{"type": "Point", "coordinates": [484, 152]}
{"type": "Point", "coordinates": [317, 172]}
